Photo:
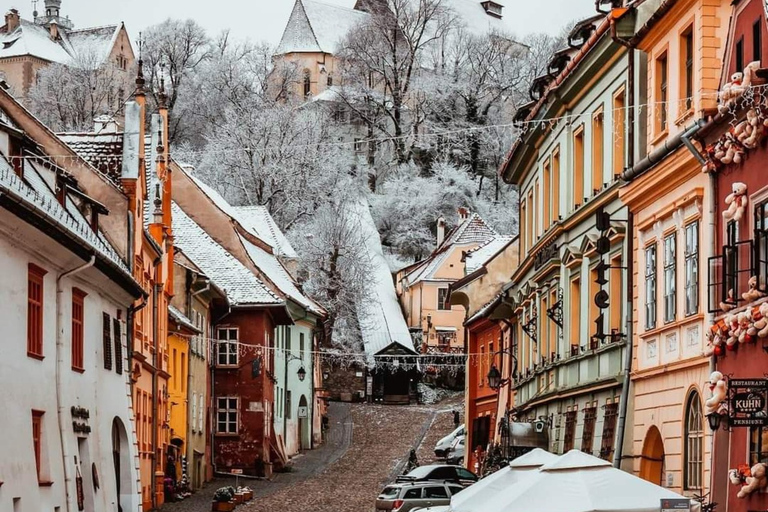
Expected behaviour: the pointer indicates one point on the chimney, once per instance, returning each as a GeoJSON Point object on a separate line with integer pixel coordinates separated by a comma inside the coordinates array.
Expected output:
{"type": "Point", "coordinates": [463, 213]}
{"type": "Point", "coordinates": [54, 28]}
{"type": "Point", "coordinates": [11, 21]}
{"type": "Point", "coordinates": [440, 230]}
{"type": "Point", "coordinates": [105, 123]}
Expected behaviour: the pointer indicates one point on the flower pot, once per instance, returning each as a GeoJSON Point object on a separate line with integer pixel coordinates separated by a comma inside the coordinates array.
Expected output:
{"type": "Point", "coordinates": [239, 498]}
{"type": "Point", "coordinates": [223, 506]}
{"type": "Point", "coordinates": [248, 495]}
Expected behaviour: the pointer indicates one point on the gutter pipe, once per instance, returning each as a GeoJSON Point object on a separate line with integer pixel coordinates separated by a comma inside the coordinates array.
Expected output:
{"type": "Point", "coordinates": [156, 335]}
{"type": "Point", "coordinates": [59, 364]}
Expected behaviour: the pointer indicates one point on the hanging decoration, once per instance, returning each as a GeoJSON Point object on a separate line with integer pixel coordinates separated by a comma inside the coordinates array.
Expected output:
{"type": "Point", "coordinates": [719, 388]}
{"type": "Point", "coordinates": [747, 326]}
{"type": "Point", "coordinates": [736, 201]}
{"type": "Point", "coordinates": [750, 479]}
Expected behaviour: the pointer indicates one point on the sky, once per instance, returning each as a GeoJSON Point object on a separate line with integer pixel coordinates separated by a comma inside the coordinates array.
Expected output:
{"type": "Point", "coordinates": [264, 20]}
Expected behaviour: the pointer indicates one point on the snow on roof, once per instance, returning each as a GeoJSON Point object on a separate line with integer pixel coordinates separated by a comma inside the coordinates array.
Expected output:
{"type": "Point", "coordinates": [95, 41]}
{"type": "Point", "coordinates": [472, 230]}
{"type": "Point", "coordinates": [181, 319]}
{"type": "Point", "coordinates": [473, 18]}
{"type": "Point", "coordinates": [317, 27]}
{"type": "Point", "coordinates": [258, 219]}
{"type": "Point", "coordinates": [32, 39]}
{"type": "Point", "coordinates": [35, 191]}
{"type": "Point", "coordinates": [275, 272]}
{"type": "Point", "coordinates": [104, 151]}
{"type": "Point", "coordinates": [381, 319]}
{"type": "Point", "coordinates": [240, 284]}
{"type": "Point", "coordinates": [476, 258]}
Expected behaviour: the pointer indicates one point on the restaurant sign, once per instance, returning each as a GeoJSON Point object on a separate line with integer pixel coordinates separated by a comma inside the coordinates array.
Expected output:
{"type": "Point", "coordinates": [748, 400]}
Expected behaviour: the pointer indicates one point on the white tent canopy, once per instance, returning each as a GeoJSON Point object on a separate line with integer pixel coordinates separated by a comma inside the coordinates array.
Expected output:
{"type": "Point", "coordinates": [498, 482]}
{"type": "Point", "coordinates": [577, 482]}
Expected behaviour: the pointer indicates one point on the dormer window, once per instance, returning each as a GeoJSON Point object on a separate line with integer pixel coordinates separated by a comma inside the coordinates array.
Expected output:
{"type": "Point", "coordinates": [492, 9]}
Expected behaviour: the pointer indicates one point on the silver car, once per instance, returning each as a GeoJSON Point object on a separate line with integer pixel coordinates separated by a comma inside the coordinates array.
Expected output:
{"type": "Point", "coordinates": [455, 454]}
{"type": "Point", "coordinates": [443, 445]}
{"type": "Point", "coordinates": [404, 497]}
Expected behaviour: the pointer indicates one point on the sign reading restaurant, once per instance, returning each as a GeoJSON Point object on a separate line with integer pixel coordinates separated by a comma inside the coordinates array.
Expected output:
{"type": "Point", "coordinates": [748, 399]}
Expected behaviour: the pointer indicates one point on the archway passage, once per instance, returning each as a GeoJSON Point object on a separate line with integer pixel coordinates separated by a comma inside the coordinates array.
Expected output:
{"type": "Point", "coordinates": [305, 441]}
{"type": "Point", "coordinates": [652, 461]}
{"type": "Point", "coordinates": [122, 462]}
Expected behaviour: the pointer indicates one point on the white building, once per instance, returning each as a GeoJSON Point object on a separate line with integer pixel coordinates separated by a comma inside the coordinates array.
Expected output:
{"type": "Point", "coordinates": [67, 426]}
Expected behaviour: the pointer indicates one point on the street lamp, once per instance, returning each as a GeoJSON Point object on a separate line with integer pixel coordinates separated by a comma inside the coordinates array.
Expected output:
{"type": "Point", "coordinates": [494, 378]}
{"type": "Point", "coordinates": [495, 382]}
{"type": "Point", "coordinates": [715, 419]}
{"type": "Point", "coordinates": [302, 373]}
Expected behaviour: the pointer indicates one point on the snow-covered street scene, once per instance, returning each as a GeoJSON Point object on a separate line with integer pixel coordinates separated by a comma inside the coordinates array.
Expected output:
{"type": "Point", "coordinates": [384, 256]}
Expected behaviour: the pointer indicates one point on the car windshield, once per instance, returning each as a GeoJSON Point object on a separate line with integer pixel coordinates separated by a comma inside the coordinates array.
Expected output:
{"type": "Point", "coordinates": [389, 492]}
{"type": "Point", "coordinates": [463, 473]}
{"type": "Point", "coordinates": [421, 472]}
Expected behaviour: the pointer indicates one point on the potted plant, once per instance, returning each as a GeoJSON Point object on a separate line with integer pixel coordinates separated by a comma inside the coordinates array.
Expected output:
{"type": "Point", "coordinates": [247, 493]}
{"type": "Point", "coordinates": [223, 500]}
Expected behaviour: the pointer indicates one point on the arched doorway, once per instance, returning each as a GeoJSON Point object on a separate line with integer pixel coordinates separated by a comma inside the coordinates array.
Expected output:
{"type": "Point", "coordinates": [652, 459]}
{"type": "Point", "coordinates": [121, 458]}
{"type": "Point", "coordinates": [305, 441]}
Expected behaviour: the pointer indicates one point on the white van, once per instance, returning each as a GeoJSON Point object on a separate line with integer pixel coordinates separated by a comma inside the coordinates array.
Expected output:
{"type": "Point", "coordinates": [442, 446]}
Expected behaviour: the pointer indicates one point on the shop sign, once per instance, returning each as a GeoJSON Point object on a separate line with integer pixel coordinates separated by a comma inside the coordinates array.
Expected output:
{"type": "Point", "coordinates": [675, 504]}
{"type": "Point", "coordinates": [748, 399]}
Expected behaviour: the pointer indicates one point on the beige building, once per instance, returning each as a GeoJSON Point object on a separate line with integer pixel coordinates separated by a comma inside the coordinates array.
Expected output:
{"type": "Point", "coordinates": [423, 288]}
{"type": "Point", "coordinates": [28, 46]}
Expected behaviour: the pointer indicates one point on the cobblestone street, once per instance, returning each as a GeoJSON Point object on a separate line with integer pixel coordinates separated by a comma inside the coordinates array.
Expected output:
{"type": "Point", "coordinates": [367, 447]}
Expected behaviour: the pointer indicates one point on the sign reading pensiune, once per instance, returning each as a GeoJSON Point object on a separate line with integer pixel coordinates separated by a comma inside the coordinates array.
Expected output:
{"type": "Point", "coordinates": [748, 399]}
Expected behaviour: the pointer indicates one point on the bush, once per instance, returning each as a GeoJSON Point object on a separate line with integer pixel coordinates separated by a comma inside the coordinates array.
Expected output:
{"type": "Point", "coordinates": [224, 494]}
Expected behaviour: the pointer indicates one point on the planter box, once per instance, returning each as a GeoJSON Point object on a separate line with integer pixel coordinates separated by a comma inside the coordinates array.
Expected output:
{"type": "Point", "coordinates": [248, 495]}
{"type": "Point", "coordinates": [239, 497]}
{"type": "Point", "coordinates": [223, 506]}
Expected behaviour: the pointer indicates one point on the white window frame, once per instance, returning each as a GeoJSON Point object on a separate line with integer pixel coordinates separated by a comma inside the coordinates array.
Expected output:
{"type": "Point", "coordinates": [227, 347]}
{"type": "Point", "coordinates": [194, 412]}
{"type": "Point", "coordinates": [651, 286]}
{"type": "Point", "coordinates": [670, 277]}
{"type": "Point", "coordinates": [231, 425]}
{"type": "Point", "coordinates": [691, 268]}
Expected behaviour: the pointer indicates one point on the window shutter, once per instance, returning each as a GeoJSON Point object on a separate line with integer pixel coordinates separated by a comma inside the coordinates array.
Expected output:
{"type": "Point", "coordinates": [118, 346]}
{"type": "Point", "coordinates": [107, 342]}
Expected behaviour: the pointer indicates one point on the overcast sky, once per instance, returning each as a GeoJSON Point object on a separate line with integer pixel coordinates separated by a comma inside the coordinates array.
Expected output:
{"type": "Point", "coordinates": [264, 20]}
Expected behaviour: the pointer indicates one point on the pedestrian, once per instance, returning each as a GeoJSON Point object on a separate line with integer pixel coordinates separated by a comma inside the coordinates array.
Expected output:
{"type": "Point", "coordinates": [413, 462]}
{"type": "Point", "coordinates": [456, 418]}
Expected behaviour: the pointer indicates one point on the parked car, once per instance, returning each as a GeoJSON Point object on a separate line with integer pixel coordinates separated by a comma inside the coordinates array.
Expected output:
{"type": "Point", "coordinates": [442, 445]}
{"type": "Point", "coordinates": [440, 472]}
{"type": "Point", "coordinates": [439, 508]}
{"type": "Point", "coordinates": [455, 454]}
{"type": "Point", "coordinates": [408, 496]}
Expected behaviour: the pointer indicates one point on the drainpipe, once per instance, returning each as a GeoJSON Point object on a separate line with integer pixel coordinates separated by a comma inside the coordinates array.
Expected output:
{"type": "Point", "coordinates": [618, 454]}
{"type": "Point", "coordinates": [156, 336]}
{"type": "Point", "coordinates": [660, 153]}
{"type": "Point", "coordinates": [711, 316]}
{"type": "Point", "coordinates": [60, 408]}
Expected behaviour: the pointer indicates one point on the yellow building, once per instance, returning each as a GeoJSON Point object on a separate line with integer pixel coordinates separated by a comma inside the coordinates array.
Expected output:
{"type": "Point", "coordinates": [670, 203]}
{"type": "Point", "coordinates": [180, 331]}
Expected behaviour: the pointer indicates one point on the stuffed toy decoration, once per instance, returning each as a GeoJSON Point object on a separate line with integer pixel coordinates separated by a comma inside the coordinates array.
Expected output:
{"type": "Point", "coordinates": [761, 323]}
{"type": "Point", "coordinates": [745, 323]}
{"type": "Point", "coordinates": [730, 90]}
{"type": "Point", "coordinates": [753, 130]}
{"type": "Point", "coordinates": [753, 293]}
{"type": "Point", "coordinates": [755, 481]}
{"type": "Point", "coordinates": [729, 304]}
{"type": "Point", "coordinates": [736, 201]}
{"type": "Point", "coordinates": [735, 477]}
{"type": "Point", "coordinates": [719, 391]}
{"type": "Point", "coordinates": [732, 325]}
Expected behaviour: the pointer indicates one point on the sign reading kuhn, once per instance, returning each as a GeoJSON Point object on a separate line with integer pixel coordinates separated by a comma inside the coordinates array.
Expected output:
{"type": "Point", "coordinates": [748, 402]}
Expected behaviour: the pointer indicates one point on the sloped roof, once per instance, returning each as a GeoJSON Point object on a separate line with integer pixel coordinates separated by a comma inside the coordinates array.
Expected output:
{"type": "Point", "coordinates": [32, 39]}
{"type": "Point", "coordinates": [381, 319]}
{"type": "Point", "coordinates": [258, 219]}
{"type": "Point", "coordinates": [96, 41]}
{"type": "Point", "coordinates": [476, 258]}
{"type": "Point", "coordinates": [472, 230]}
{"type": "Point", "coordinates": [317, 27]}
{"type": "Point", "coordinates": [473, 18]}
{"type": "Point", "coordinates": [240, 284]}
{"type": "Point", "coordinates": [180, 318]}
{"type": "Point", "coordinates": [104, 151]}
{"type": "Point", "coordinates": [275, 272]}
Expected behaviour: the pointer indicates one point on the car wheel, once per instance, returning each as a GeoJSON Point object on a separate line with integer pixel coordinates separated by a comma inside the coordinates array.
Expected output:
{"type": "Point", "coordinates": [460, 461]}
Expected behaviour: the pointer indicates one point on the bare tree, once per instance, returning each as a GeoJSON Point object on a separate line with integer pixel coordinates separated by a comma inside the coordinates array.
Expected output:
{"type": "Point", "coordinates": [68, 97]}
{"type": "Point", "coordinates": [381, 59]}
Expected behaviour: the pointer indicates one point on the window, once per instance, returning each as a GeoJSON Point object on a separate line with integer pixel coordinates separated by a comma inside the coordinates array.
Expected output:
{"type": "Point", "coordinates": [588, 433]}
{"type": "Point", "coordinates": [547, 202]}
{"type": "Point", "coordinates": [597, 150]}
{"type": "Point", "coordinates": [193, 422]}
{"type": "Point", "coordinates": [686, 59]}
{"type": "Point", "coordinates": [594, 311]}
{"type": "Point", "coordinates": [288, 403]}
{"type": "Point", "coordinates": [694, 447]}
{"type": "Point", "coordinates": [412, 494]}
{"type": "Point", "coordinates": [619, 131]}
{"type": "Point", "coordinates": [529, 229]}
{"type": "Point", "coordinates": [609, 429]}
{"type": "Point", "coordinates": [670, 278]}
{"type": "Point", "coordinates": [522, 223]}
{"type": "Point", "coordinates": [537, 227]}
{"type": "Point", "coordinates": [307, 84]}
{"type": "Point", "coordinates": [287, 344]}
{"type": "Point", "coordinates": [575, 322]}
{"type": "Point", "coordinates": [740, 54]}
{"type": "Point", "coordinates": [481, 368]}
{"type": "Point", "coordinates": [37, 441]}
{"type": "Point", "coordinates": [650, 287]}
{"type": "Point", "coordinates": [107, 340]}
{"type": "Point", "coordinates": [761, 245]}
{"type": "Point", "coordinates": [227, 415]}
{"type": "Point", "coordinates": [442, 299]}
{"type": "Point", "coordinates": [455, 489]}
{"type": "Point", "coordinates": [359, 146]}
{"type": "Point", "coordinates": [301, 345]}
{"type": "Point", "coordinates": [200, 412]}
{"type": "Point", "coordinates": [757, 43]}
{"type": "Point", "coordinates": [35, 311]}
{"type": "Point", "coordinates": [661, 93]}
{"type": "Point", "coordinates": [578, 167]}
{"type": "Point", "coordinates": [183, 372]}
{"type": "Point", "coordinates": [227, 353]}
{"type": "Point", "coordinates": [118, 346]}
{"type": "Point", "coordinates": [330, 81]}
{"type": "Point", "coordinates": [616, 303]}
{"type": "Point", "coordinates": [78, 301]}
{"type": "Point", "coordinates": [481, 432]}
{"type": "Point", "coordinates": [570, 430]}
{"type": "Point", "coordinates": [435, 492]}
{"type": "Point", "coordinates": [692, 268]}
{"type": "Point", "coordinates": [556, 185]}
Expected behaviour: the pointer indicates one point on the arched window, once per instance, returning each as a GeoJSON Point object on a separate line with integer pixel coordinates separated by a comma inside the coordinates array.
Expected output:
{"type": "Point", "coordinates": [694, 443]}
{"type": "Point", "coordinates": [307, 90]}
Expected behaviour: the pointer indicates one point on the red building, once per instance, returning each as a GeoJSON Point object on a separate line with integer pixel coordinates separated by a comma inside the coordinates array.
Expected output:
{"type": "Point", "coordinates": [738, 275]}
